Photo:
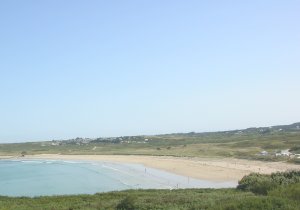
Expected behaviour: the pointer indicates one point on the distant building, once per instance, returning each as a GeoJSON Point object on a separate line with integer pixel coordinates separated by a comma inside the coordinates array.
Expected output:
{"type": "Point", "coordinates": [264, 153]}
{"type": "Point", "coordinates": [283, 153]}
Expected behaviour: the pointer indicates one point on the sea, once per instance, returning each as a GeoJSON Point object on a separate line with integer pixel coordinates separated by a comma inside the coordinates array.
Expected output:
{"type": "Point", "coordinates": [33, 178]}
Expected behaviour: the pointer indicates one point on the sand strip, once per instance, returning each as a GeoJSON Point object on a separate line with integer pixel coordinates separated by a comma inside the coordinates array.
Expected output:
{"type": "Point", "coordinates": [223, 169]}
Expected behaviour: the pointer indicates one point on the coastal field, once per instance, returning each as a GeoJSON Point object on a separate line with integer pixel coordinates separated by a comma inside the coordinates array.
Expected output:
{"type": "Point", "coordinates": [240, 144]}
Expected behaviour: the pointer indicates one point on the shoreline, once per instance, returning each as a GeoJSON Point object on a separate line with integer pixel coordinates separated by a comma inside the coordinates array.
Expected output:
{"type": "Point", "coordinates": [212, 169]}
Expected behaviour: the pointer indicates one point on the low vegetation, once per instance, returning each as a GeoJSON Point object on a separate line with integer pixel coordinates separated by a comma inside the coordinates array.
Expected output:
{"type": "Point", "coordinates": [263, 184]}
{"type": "Point", "coordinates": [278, 143]}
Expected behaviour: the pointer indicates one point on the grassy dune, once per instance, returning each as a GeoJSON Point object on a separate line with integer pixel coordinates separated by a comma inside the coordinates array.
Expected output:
{"type": "Point", "coordinates": [246, 144]}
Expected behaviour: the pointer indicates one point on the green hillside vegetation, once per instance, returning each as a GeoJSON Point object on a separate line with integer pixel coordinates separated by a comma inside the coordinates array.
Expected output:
{"type": "Point", "coordinates": [282, 191]}
{"type": "Point", "coordinates": [246, 144]}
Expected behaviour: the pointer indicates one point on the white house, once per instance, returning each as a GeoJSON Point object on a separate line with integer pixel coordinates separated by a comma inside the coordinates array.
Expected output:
{"type": "Point", "coordinates": [264, 153]}
{"type": "Point", "coordinates": [285, 152]}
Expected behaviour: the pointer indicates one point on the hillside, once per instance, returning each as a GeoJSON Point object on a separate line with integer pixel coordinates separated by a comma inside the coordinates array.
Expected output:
{"type": "Point", "coordinates": [276, 143]}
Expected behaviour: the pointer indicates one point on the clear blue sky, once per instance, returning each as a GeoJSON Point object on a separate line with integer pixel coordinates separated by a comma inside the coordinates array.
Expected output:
{"type": "Point", "coordinates": [110, 68]}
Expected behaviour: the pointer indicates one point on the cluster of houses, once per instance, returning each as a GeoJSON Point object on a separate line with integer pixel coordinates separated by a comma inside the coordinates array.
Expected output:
{"type": "Point", "coordinates": [282, 153]}
{"type": "Point", "coordinates": [132, 141]}
{"type": "Point", "coordinates": [77, 141]}
{"type": "Point", "coordinates": [84, 141]}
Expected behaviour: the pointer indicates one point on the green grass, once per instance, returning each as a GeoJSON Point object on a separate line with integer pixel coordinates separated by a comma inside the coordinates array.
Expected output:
{"type": "Point", "coordinates": [155, 199]}
{"type": "Point", "coordinates": [219, 144]}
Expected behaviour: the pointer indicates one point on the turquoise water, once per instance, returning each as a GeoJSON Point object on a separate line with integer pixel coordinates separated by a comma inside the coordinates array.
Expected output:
{"type": "Point", "coordinates": [52, 177]}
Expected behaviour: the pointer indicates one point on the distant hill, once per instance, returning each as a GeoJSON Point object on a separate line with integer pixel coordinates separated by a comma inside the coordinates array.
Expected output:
{"type": "Point", "coordinates": [262, 143]}
{"type": "Point", "coordinates": [252, 130]}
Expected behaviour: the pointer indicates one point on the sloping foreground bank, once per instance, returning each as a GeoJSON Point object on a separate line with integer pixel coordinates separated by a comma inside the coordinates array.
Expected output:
{"type": "Point", "coordinates": [256, 191]}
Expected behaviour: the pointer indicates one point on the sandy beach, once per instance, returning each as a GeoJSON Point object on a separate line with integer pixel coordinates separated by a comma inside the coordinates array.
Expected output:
{"type": "Point", "coordinates": [224, 169]}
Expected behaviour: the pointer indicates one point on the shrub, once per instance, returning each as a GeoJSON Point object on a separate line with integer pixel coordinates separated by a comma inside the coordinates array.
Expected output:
{"type": "Point", "coordinates": [295, 149]}
{"type": "Point", "coordinates": [290, 191]}
{"type": "Point", "coordinates": [256, 183]}
{"type": "Point", "coordinates": [23, 153]}
{"type": "Point", "coordinates": [284, 178]}
{"type": "Point", "coordinates": [126, 204]}
{"type": "Point", "coordinates": [262, 184]}
{"type": "Point", "coordinates": [257, 203]}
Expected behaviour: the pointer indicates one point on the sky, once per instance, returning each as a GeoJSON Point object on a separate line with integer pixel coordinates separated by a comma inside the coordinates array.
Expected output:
{"type": "Point", "coordinates": [114, 68]}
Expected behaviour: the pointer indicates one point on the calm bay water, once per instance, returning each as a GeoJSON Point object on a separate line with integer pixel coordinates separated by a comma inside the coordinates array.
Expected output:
{"type": "Point", "coordinates": [52, 177]}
